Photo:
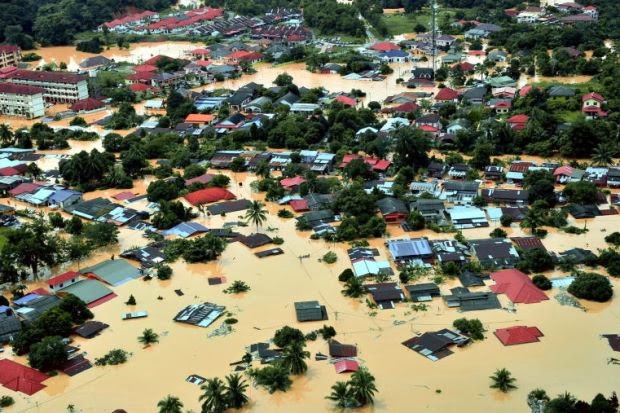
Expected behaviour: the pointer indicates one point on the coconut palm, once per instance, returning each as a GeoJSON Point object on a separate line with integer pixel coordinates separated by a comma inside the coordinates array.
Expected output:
{"type": "Point", "coordinates": [503, 380]}
{"type": "Point", "coordinates": [294, 355]}
{"type": "Point", "coordinates": [6, 135]}
{"type": "Point", "coordinates": [363, 386]}
{"type": "Point", "coordinates": [353, 288]}
{"type": "Point", "coordinates": [256, 214]}
{"type": "Point", "coordinates": [235, 391]}
{"type": "Point", "coordinates": [604, 153]}
{"type": "Point", "coordinates": [535, 216]}
{"type": "Point", "coordinates": [536, 400]}
{"type": "Point", "coordinates": [341, 394]}
{"type": "Point", "coordinates": [148, 337]}
{"type": "Point", "coordinates": [170, 404]}
{"type": "Point", "coordinates": [213, 397]}
{"type": "Point", "coordinates": [262, 169]}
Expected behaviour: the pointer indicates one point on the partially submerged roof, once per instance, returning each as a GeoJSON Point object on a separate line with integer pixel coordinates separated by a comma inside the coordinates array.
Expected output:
{"type": "Point", "coordinates": [337, 349]}
{"type": "Point", "coordinates": [517, 286]}
{"type": "Point", "coordinates": [17, 377]}
{"type": "Point", "coordinates": [255, 240]}
{"type": "Point", "coordinates": [346, 366]}
{"type": "Point", "coordinates": [201, 315]}
{"type": "Point", "coordinates": [436, 345]}
{"type": "Point", "coordinates": [229, 206]}
{"type": "Point", "coordinates": [518, 335]}
{"type": "Point", "coordinates": [310, 311]}
{"type": "Point", "coordinates": [113, 272]}
{"type": "Point", "coordinates": [92, 292]}
{"type": "Point", "coordinates": [186, 229]}
{"type": "Point", "coordinates": [90, 329]}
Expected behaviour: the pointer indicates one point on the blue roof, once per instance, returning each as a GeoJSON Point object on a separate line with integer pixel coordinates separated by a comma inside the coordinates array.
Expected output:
{"type": "Point", "coordinates": [186, 229]}
{"type": "Point", "coordinates": [394, 53]}
{"type": "Point", "coordinates": [62, 195]}
{"type": "Point", "coordinates": [405, 248]}
{"type": "Point", "coordinates": [26, 299]}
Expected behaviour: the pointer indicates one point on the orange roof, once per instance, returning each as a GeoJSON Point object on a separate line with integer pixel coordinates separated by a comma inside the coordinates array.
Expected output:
{"type": "Point", "coordinates": [518, 335]}
{"type": "Point", "coordinates": [199, 118]}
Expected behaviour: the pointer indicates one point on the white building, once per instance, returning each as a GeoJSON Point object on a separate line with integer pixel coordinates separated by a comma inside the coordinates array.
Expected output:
{"type": "Point", "coordinates": [21, 100]}
{"type": "Point", "coordinates": [59, 87]}
{"type": "Point", "coordinates": [10, 55]}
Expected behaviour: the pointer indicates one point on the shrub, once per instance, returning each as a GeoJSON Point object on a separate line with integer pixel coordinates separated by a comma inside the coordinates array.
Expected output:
{"type": "Point", "coordinates": [327, 332]}
{"type": "Point", "coordinates": [287, 335]}
{"type": "Point", "coordinates": [278, 240]}
{"type": "Point", "coordinates": [285, 213]}
{"type": "Point", "coordinates": [346, 275]}
{"type": "Point", "coordinates": [131, 300]}
{"type": "Point", "coordinates": [498, 233]}
{"type": "Point", "coordinates": [613, 238]}
{"type": "Point", "coordinates": [472, 328]}
{"type": "Point", "coordinates": [6, 401]}
{"type": "Point", "coordinates": [231, 320]}
{"type": "Point", "coordinates": [542, 282]}
{"type": "Point", "coordinates": [330, 257]}
{"type": "Point", "coordinates": [591, 286]}
{"type": "Point", "coordinates": [164, 272]}
{"type": "Point", "coordinates": [113, 358]}
{"type": "Point", "coordinates": [237, 287]}
{"type": "Point", "coordinates": [505, 220]}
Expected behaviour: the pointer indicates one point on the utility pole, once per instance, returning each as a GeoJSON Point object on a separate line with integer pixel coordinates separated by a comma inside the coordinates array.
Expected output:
{"type": "Point", "coordinates": [434, 36]}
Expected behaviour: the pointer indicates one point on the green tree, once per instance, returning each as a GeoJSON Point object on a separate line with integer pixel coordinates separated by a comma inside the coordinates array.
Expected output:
{"type": "Point", "coordinates": [76, 308]}
{"type": "Point", "coordinates": [604, 153]}
{"type": "Point", "coordinates": [101, 234]}
{"type": "Point", "coordinates": [77, 249]}
{"type": "Point", "coordinates": [213, 397]}
{"type": "Point", "coordinates": [502, 380]}
{"type": "Point", "coordinates": [50, 353]}
{"type": "Point", "coordinates": [581, 192]}
{"type": "Point", "coordinates": [287, 336]}
{"type": "Point", "coordinates": [564, 403]}
{"type": "Point", "coordinates": [294, 357]}
{"type": "Point", "coordinates": [134, 161]}
{"type": "Point", "coordinates": [363, 387]}
{"type": "Point", "coordinates": [591, 286]}
{"type": "Point", "coordinates": [535, 216]}
{"type": "Point", "coordinates": [170, 404]}
{"type": "Point", "coordinates": [148, 337]}
{"type": "Point", "coordinates": [342, 395]}
{"type": "Point", "coordinates": [411, 148]}
{"type": "Point", "coordinates": [235, 393]}
{"type": "Point", "coordinates": [540, 185]}
{"type": "Point", "coordinates": [256, 214]}
{"type": "Point", "coordinates": [354, 288]}
{"type": "Point", "coordinates": [274, 377]}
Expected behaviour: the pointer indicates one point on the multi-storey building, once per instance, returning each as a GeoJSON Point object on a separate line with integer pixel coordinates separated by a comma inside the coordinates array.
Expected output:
{"type": "Point", "coordinates": [60, 87]}
{"type": "Point", "coordinates": [10, 55]}
{"type": "Point", "coordinates": [21, 100]}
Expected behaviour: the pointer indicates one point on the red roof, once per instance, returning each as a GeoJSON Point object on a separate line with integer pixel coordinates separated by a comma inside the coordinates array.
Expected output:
{"type": "Point", "coordinates": [446, 94]}
{"type": "Point", "coordinates": [476, 52]}
{"type": "Point", "coordinates": [465, 66]}
{"type": "Point", "coordinates": [139, 87]}
{"type": "Point", "coordinates": [564, 170]}
{"type": "Point", "coordinates": [345, 100]}
{"type": "Point", "coordinates": [199, 118]}
{"type": "Point", "coordinates": [121, 196]}
{"type": "Point", "coordinates": [520, 166]}
{"type": "Point", "coordinates": [428, 128]}
{"type": "Point", "coordinates": [384, 46]}
{"type": "Point", "coordinates": [345, 366]}
{"type": "Point", "coordinates": [291, 182]}
{"type": "Point", "coordinates": [299, 205]}
{"type": "Point", "coordinates": [59, 279]}
{"type": "Point", "coordinates": [142, 76]}
{"type": "Point", "coordinates": [201, 51]}
{"type": "Point", "coordinates": [86, 105]}
{"type": "Point", "coordinates": [518, 335]}
{"type": "Point", "coordinates": [14, 89]}
{"type": "Point", "coordinates": [517, 286]}
{"type": "Point", "coordinates": [244, 55]}
{"type": "Point", "coordinates": [594, 96]}
{"type": "Point", "coordinates": [20, 378]}
{"type": "Point", "coordinates": [207, 195]}
{"type": "Point", "coordinates": [518, 122]}
{"type": "Point", "coordinates": [381, 165]}
{"type": "Point", "coordinates": [26, 187]}
{"type": "Point", "coordinates": [153, 60]}
{"type": "Point", "coordinates": [407, 107]}
{"type": "Point", "coordinates": [9, 48]}
{"type": "Point", "coordinates": [145, 68]}
{"type": "Point", "coordinates": [525, 90]}
{"type": "Point", "coordinates": [43, 76]}
{"type": "Point", "coordinates": [528, 243]}
{"type": "Point", "coordinates": [13, 170]}
{"type": "Point", "coordinates": [203, 179]}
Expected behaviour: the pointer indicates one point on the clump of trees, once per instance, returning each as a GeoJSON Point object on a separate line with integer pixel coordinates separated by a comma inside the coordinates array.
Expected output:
{"type": "Point", "coordinates": [539, 400]}
{"type": "Point", "coordinates": [591, 286]}
{"type": "Point", "coordinates": [472, 328]}
{"type": "Point", "coordinates": [202, 249]}
{"type": "Point", "coordinates": [113, 358]}
{"type": "Point", "coordinates": [237, 287]}
{"type": "Point", "coordinates": [218, 396]}
{"type": "Point", "coordinates": [357, 392]}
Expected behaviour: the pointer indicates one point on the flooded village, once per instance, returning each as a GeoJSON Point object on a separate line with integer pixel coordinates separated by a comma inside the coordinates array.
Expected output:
{"type": "Point", "coordinates": [415, 221]}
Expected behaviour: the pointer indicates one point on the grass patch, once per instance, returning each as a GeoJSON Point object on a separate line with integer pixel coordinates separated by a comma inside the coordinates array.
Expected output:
{"type": "Point", "coordinates": [399, 23]}
{"type": "Point", "coordinates": [570, 116]}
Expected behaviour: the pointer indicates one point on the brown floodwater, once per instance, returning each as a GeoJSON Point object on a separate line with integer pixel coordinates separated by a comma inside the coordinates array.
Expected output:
{"type": "Point", "coordinates": [568, 356]}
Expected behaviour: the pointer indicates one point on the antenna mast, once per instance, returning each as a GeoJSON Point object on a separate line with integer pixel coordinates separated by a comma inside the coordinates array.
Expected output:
{"type": "Point", "coordinates": [434, 35]}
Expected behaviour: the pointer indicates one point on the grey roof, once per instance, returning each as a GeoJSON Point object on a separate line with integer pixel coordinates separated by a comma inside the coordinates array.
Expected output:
{"type": "Point", "coordinates": [496, 251]}
{"type": "Point", "coordinates": [476, 93]}
{"type": "Point", "coordinates": [319, 217]}
{"type": "Point", "coordinates": [114, 272]}
{"type": "Point", "coordinates": [95, 61]}
{"type": "Point", "coordinates": [201, 315]}
{"type": "Point", "coordinates": [559, 90]}
{"type": "Point", "coordinates": [38, 306]}
{"type": "Point", "coordinates": [9, 325]}
{"type": "Point", "coordinates": [428, 205]}
{"type": "Point", "coordinates": [472, 301]}
{"type": "Point", "coordinates": [148, 256]}
{"type": "Point", "coordinates": [310, 311]}
{"type": "Point", "coordinates": [461, 186]}
{"type": "Point", "coordinates": [88, 290]}
{"type": "Point", "coordinates": [389, 205]}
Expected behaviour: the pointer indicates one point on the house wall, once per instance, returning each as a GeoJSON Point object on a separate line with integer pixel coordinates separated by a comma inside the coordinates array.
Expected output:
{"type": "Point", "coordinates": [26, 106]}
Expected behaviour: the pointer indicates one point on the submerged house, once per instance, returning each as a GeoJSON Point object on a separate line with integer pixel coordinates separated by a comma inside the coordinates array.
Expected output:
{"type": "Point", "coordinates": [410, 250]}
{"type": "Point", "coordinates": [113, 272]}
{"type": "Point", "coordinates": [385, 295]}
{"type": "Point", "coordinates": [436, 345]}
{"type": "Point", "coordinates": [310, 311]}
{"type": "Point", "coordinates": [201, 315]}
{"type": "Point", "coordinates": [495, 253]}
{"type": "Point", "coordinates": [392, 209]}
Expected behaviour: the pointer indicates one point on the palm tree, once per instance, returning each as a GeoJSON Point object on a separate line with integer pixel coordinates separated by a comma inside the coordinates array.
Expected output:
{"type": "Point", "coordinates": [256, 214]}
{"type": "Point", "coordinates": [341, 394]}
{"type": "Point", "coordinates": [353, 288]}
{"type": "Point", "coordinates": [604, 153]}
{"type": "Point", "coordinates": [503, 380]}
{"type": "Point", "coordinates": [262, 169]}
{"type": "Point", "coordinates": [235, 391]}
{"type": "Point", "coordinates": [214, 398]}
{"type": "Point", "coordinates": [534, 217]}
{"type": "Point", "coordinates": [148, 337]}
{"type": "Point", "coordinates": [294, 355]}
{"type": "Point", "coordinates": [363, 386]}
{"type": "Point", "coordinates": [536, 400]}
{"type": "Point", "coordinates": [6, 135]}
{"type": "Point", "coordinates": [170, 404]}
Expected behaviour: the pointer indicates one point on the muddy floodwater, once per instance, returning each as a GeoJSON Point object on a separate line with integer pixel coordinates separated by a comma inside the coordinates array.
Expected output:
{"type": "Point", "coordinates": [569, 356]}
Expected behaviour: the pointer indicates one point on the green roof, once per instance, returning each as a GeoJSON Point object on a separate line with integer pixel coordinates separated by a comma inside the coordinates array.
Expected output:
{"type": "Point", "coordinates": [114, 272]}
{"type": "Point", "coordinates": [88, 290]}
